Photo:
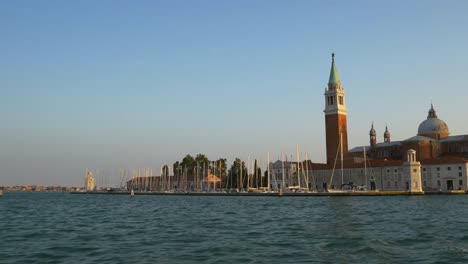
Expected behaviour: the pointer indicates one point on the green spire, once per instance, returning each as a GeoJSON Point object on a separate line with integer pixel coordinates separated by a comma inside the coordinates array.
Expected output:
{"type": "Point", "coordinates": [334, 77]}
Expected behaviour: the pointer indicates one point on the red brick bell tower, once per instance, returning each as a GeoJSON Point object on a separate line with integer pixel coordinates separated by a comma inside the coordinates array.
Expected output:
{"type": "Point", "coordinates": [335, 117]}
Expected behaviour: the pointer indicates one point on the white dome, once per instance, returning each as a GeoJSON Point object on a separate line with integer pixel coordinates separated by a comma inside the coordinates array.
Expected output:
{"type": "Point", "coordinates": [433, 126]}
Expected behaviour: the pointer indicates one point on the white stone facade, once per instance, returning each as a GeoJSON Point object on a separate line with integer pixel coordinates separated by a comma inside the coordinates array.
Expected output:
{"type": "Point", "coordinates": [408, 177]}
{"type": "Point", "coordinates": [411, 176]}
{"type": "Point", "coordinates": [445, 177]}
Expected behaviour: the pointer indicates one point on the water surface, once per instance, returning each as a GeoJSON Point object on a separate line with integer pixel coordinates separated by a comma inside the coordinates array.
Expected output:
{"type": "Point", "coordinates": [67, 228]}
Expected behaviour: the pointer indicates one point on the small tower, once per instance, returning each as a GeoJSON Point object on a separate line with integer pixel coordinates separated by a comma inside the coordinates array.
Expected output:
{"type": "Point", "coordinates": [373, 136]}
{"type": "Point", "coordinates": [412, 172]}
{"type": "Point", "coordinates": [335, 116]}
{"type": "Point", "coordinates": [431, 113]}
{"type": "Point", "coordinates": [386, 135]}
{"type": "Point", "coordinates": [89, 181]}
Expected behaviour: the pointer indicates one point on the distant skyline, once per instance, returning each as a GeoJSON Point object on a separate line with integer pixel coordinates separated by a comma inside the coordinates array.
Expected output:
{"type": "Point", "coordinates": [107, 85]}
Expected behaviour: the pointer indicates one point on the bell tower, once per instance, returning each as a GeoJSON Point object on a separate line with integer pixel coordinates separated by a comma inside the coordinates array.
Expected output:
{"type": "Point", "coordinates": [335, 116]}
{"type": "Point", "coordinates": [372, 136]}
{"type": "Point", "coordinates": [386, 135]}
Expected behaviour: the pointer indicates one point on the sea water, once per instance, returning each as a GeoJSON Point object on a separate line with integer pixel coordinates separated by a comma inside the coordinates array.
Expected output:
{"type": "Point", "coordinates": [71, 228]}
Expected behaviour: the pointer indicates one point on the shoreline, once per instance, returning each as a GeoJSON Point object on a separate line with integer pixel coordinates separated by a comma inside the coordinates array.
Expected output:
{"type": "Point", "coordinates": [298, 194]}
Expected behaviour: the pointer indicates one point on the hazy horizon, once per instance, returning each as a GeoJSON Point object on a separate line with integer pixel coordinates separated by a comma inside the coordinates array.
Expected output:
{"type": "Point", "coordinates": [109, 85]}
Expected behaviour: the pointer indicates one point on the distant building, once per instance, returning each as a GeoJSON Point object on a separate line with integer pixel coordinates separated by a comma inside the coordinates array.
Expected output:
{"type": "Point", "coordinates": [282, 174]}
{"type": "Point", "coordinates": [89, 181]}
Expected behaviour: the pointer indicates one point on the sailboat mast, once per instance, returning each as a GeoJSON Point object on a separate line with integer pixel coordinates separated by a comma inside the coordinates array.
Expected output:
{"type": "Point", "coordinates": [268, 171]}
{"type": "Point", "coordinates": [341, 153]}
{"type": "Point", "coordinates": [298, 167]}
{"type": "Point", "coordinates": [198, 175]}
{"type": "Point", "coordinates": [307, 170]}
{"type": "Point", "coordinates": [260, 176]}
{"type": "Point", "coordinates": [240, 175]}
{"type": "Point", "coordinates": [365, 166]}
{"type": "Point", "coordinates": [253, 179]}
{"type": "Point", "coordinates": [248, 172]}
{"type": "Point", "coordinates": [282, 170]}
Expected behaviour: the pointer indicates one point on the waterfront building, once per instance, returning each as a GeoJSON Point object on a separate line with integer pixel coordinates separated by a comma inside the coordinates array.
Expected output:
{"type": "Point", "coordinates": [431, 160]}
{"type": "Point", "coordinates": [282, 173]}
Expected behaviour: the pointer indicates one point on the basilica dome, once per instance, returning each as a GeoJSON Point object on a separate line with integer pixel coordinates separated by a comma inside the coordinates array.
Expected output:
{"type": "Point", "coordinates": [433, 127]}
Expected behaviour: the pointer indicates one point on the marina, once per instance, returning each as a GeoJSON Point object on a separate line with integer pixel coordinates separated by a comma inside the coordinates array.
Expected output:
{"type": "Point", "coordinates": [433, 161]}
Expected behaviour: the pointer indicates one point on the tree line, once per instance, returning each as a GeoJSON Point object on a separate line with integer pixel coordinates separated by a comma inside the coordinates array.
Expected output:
{"type": "Point", "coordinates": [199, 167]}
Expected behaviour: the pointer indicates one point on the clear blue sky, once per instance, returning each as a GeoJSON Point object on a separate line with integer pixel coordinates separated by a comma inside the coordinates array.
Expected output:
{"type": "Point", "coordinates": [137, 84]}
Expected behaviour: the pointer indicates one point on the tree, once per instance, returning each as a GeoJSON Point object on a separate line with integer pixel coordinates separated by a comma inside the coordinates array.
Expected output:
{"type": "Point", "coordinates": [219, 168]}
{"type": "Point", "coordinates": [165, 171]}
{"type": "Point", "coordinates": [257, 176]}
{"type": "Point", "coordinates": [201, 165]}
{"type": "Point", "coordinates": [237, 175]}
{"type": "Point", "coordinates": [176, 168]}
{"type": "Point", "coordinates": [188, 164]}
{"type": "Point", "coordinates": [201, 159]}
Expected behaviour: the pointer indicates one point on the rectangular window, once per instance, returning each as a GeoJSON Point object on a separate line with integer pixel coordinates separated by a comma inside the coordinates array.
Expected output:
{"type": "Point", "coordinates": [448, 168]}
{"type": "Point", "coordinates": [424, 183]}
{"type": "Point", "coordinates": [438, 183]}
{"type": "Point", "coordinates": [459, 168]}
{"type": "Point", "coordinates": [460, 182]}
{"type": "Point", "coordinates": [438, 169]}
{"type": "Point", "coordinates": [396, 184]}
{"type": "Point", "coordinates": [424, 169]}
{"type": "Point", "coordinates": [460, 174]}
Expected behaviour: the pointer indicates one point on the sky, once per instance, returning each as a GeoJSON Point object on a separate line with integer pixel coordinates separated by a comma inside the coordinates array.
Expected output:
{"type": "Point", "coordinates": [111, 85]}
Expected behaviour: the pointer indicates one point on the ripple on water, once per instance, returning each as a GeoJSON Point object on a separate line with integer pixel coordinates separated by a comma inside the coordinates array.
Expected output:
{"type": "Point", "coordinates": [64, 228]}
